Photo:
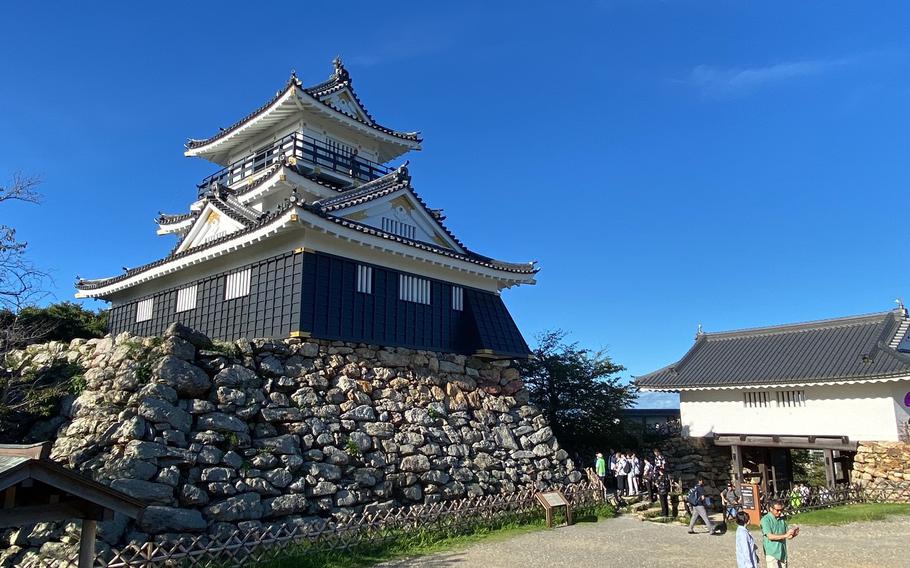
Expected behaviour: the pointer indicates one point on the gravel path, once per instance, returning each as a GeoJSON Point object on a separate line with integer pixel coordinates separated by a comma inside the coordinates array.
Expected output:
{"type": "Point", "coordinates": [629, 543]}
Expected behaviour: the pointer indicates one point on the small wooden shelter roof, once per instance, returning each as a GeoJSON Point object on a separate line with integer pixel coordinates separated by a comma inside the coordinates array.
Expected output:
{"type": "Point", "coordinates": [36, 489]}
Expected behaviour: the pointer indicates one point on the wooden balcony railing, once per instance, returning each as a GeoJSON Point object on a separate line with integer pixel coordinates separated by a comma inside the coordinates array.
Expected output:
{"type": "Point", "coordinates": [309, 151]}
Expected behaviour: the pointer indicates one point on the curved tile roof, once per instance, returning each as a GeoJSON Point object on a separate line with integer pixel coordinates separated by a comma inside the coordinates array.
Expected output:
{"type": "Point", "coordinates": [265, 219]}
{"type": "Point", "coordinates": [842, 349]}
{"type": "Point", "coordinates": [339, 80]}
{"type": "Point", "coordinates": [166, 219]}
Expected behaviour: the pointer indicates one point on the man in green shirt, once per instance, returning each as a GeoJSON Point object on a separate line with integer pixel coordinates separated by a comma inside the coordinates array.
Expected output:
{"type": "Point", "coordinates": [776, 534]}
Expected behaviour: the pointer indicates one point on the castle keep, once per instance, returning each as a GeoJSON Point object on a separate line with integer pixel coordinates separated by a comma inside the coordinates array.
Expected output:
{"type": "Point", "coordinates": [306, 232]}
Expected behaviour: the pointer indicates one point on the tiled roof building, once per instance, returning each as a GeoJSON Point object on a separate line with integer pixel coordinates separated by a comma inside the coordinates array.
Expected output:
{"type": "Point", "coordinates": [827, 385]}
{"type": "Point", "coordinates": [305, 231]}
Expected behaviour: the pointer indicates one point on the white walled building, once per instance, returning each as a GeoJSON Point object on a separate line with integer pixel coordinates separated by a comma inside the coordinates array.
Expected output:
{"type": "Point", "coordinates": [821, 385]}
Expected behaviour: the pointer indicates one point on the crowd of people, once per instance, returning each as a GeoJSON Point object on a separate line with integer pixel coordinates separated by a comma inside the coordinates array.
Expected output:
{"type": "Point", "coordinates": [625, 474]}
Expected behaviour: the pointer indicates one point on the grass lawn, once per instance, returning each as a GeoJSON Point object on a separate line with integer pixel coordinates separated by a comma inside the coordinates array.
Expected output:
{"type": "Point", "coordinates": [414, 543]}
{"type": "Point", "coordinates": [850, 514]}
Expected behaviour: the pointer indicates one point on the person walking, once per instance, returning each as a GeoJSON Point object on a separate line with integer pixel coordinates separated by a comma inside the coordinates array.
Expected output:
{"type": "Point", "coordinates": [600, 468]}
{"type": "Point", "coordinates": [776, 533]}
{"type": "Point", "coordinates": [746, 549]}
{"type": "Point", "coordinates": [697, 501]}
{"type": "Point", "coordinates": [663, 492]}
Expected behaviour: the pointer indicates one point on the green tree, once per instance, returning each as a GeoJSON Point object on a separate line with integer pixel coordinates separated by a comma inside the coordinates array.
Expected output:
{"type": "Point", "coordinates": [63, 321]}
{"type": "Point", "coordinates": [579, 391]}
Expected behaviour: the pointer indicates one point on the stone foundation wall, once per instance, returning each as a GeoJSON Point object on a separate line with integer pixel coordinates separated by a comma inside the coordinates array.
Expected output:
{"type": "Point", "coordinates": [884, 466]}
{"type": "Point", "coordinates": [216, 437]}
{"type": "Point", "coordinates": [691, 458]}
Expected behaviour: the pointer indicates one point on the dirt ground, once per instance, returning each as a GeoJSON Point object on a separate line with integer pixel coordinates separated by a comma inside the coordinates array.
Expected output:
{"type": "Point", "coordinates": [627, 543]}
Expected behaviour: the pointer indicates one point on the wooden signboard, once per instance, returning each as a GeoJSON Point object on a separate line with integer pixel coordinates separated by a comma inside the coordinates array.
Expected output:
{"type": "Point", "coordinates": [751, 502]}
{"type": "Point", "coordinates": [552, 500]}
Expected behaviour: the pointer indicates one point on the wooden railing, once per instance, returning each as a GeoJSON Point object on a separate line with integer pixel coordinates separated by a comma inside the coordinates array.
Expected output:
{"type": "Point", "coordinates": [312, 152]}
{"type": "Point", "coordinates": [803, 498]}
{"type": "Point", "coordinates": [241, 548]}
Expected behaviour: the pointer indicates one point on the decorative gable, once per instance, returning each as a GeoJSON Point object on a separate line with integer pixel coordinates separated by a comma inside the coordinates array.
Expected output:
{"type": "Point", "coordinates": [347, 103]}
{"type": "Point", "coordinates": [400, 214]}
{"type": "Point", "coordinates": [211, 224]}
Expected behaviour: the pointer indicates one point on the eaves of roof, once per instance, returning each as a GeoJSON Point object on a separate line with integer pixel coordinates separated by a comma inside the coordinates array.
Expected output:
{"type": "Point", "coordinates": [166, 219]}
{"type": "Point", "coordinates": [516, 268]}
{"type": "Point", "coordinates": [852, 349]}
{"type": "Point", "coordinates": [292, 85]}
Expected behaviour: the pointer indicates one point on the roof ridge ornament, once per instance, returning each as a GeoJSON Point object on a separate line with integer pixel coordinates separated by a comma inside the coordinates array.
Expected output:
{"type": "Point", "coordinates": [402, 175]}
{"type": "Point", "coordinates": [699, 332]}
{"type": "Point", "coordinates": [900, 306]}
{"type": "Point", "coordinates": [340, 72]}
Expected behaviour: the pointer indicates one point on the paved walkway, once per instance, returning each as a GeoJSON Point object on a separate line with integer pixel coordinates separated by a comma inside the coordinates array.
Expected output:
{"type": "Point", "coordinates": [627, 542]}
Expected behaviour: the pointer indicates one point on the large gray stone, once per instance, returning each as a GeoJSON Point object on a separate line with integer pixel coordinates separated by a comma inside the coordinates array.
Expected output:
{"type": "Point", "coordinates": [379, 429]}
{"type": "Point", "coordinates": [221, 422]}
{"type": "Point", "coordinates": [188, 380]}
{"type": "Point", "coordinates": [217, 474]}
{"type": "Point", "coordinates": [541, 436]}
{"type": "Point", "coordinates": [282, 414]}
{"type": "Point", "coordinates": [284, 444]}
{"type": "Point", "coordinates": [156, 410]}
{"type": "Point", "coordinates": [284, 505]}
{"type": "Point", "coordinates": [145, 491]}
{"type": "Point", "coordinates": [179, 348]}
{"type": "Point", "coordinates": [193, 496]}
{"type": "Point", "coordinates": [156, 519]}
{"type": "Point", "coordinates": [236, 376]}
{"type": "Point", "coordinates": [280, 478]}
{"type": "Point", "coordinates": [362, 413]}
{"type": "Point", "coordinates": [504, 438]}
{"type": "Point", "coordinates": [239, 508]}
{"type": "Point", "coordinates": [323, 488]}
{"type": "Point", "coordinates": [415, 464]}
{"type": "Point", "coordinates": [308, 349]}
{"type": "Point", "coordinates": [324, 471]}
{"type": "Point", "coordinates": [271, 366]}
{"type": "Point", "coordinates": [189, 334]}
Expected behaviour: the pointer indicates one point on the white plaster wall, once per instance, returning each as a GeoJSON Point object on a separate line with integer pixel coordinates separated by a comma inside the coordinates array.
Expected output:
{"type": "Point", "coordinates": [866, 412]}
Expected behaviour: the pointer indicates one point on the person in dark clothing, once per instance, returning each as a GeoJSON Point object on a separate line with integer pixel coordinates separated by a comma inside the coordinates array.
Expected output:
{"type": "Point", "coordinates": [698, 501]}
{"type": "Point", "coordinates": [662, 484]}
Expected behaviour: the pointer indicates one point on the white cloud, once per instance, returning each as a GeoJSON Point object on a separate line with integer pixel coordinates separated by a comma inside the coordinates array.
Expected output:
{"type": "Point", "coordinates": [717, 82]}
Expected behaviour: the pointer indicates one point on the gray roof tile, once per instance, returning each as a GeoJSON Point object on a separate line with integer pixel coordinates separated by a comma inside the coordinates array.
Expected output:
{"type": "Point", "coordinates": [843, 349]}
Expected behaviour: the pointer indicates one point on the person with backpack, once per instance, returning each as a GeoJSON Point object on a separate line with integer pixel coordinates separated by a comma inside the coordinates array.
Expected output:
{"type": "Point", "coordinates": [697, 501]}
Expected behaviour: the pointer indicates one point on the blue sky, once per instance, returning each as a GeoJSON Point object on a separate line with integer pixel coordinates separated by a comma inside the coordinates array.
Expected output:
{"type": "Point", "coordinates": [671, 163]}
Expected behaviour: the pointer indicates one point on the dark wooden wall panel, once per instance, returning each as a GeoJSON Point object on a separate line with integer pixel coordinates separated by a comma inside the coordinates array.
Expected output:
{"type": "Point", "coordinates": [317, 293]}
{"type": "Point", "coordinates": [271, 309]}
